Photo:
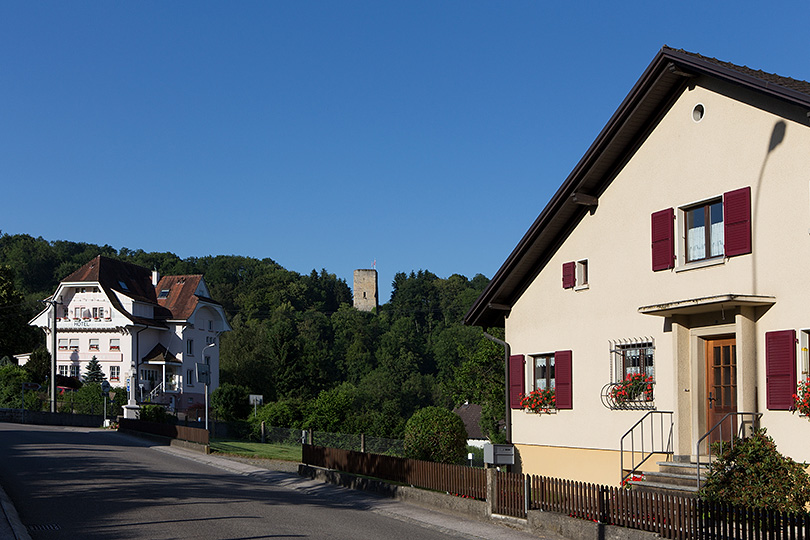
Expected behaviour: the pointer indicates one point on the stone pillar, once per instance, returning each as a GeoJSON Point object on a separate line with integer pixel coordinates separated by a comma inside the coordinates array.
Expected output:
{"type": "Point", "coordinates": [684, 394]}
{"type": "Point", "coordinates": [746, 360]}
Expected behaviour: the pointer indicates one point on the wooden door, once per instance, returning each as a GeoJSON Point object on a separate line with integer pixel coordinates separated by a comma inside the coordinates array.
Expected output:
{"type": "Point", "coordinates": [721, 387]}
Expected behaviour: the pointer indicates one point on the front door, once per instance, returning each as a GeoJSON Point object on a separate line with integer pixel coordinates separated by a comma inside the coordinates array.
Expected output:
{"type": "Point", "coordinates": [721, 387]}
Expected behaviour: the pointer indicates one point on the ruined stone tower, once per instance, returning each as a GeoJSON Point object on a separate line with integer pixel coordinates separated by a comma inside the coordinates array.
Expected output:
{"type": "Point", "coordinates": [365, 289]}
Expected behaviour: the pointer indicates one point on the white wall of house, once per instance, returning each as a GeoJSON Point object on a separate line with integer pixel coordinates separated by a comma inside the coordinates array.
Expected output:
{"type": "Point", "coordinates": [681, 162]}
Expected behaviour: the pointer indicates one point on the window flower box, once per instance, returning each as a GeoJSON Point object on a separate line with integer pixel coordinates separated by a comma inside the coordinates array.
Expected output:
{"type": "Point", "coordinates": [635, 392]}
{"type": "Point", "coordinates": [539, 401]}
{"type": "Point", "coordinates": [801, 399]}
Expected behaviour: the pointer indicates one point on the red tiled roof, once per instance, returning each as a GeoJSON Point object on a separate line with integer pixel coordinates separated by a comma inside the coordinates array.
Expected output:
{"type": "Point", "coordinates": [136, 282]}
{"type": "Point", "coordinates": [181, 300]}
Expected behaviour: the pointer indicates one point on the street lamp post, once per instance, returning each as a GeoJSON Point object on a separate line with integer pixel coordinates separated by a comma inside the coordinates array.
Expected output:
{"type": "Point", "coordinates": [207, 382]}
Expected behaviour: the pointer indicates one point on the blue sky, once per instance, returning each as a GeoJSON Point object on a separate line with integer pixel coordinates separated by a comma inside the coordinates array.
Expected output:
{"type": "Point", "coordinates": [422, 135]}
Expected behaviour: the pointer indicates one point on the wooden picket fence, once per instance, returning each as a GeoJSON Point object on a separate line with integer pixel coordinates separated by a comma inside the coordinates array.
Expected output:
{"type": "Point", "coordinates": [670, 516]}
{"type": "Point", "coordinates": [456, 479]}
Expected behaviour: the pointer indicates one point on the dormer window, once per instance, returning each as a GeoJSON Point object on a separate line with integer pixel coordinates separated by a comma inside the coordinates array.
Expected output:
{"type": "Point", "coordinates": [123, 285]}
{"type": "Point", "coordinates": [164, 293]}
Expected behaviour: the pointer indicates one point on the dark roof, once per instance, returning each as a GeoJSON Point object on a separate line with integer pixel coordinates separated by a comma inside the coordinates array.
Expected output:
{"type": "Point", "coordinates": [136, 282]}
{"type": "Point", "coordinates": [159, 354]}
{"type": "Point", "coordinates": [663, 80]}
{"type": "Point", "coordinates": [470, 414]}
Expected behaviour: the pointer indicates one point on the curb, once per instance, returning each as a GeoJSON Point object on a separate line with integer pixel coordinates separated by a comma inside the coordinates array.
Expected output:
{"type": "Point", "coordinates": [17, 528]}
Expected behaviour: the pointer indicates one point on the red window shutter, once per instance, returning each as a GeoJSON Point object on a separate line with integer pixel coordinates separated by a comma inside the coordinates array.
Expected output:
{"type": "Point", "coordinates": [663, 240]}
{"type": "Point", "coordinates": [569, 276]}
{"type": "Point", "coordinates": [563, 379]}
{"type": "Point", "coordinates": [517, 382]}
{"type": "Point", "coordinates": [780, 369]}
{"type": "Point", "coordinates": [737, 222]}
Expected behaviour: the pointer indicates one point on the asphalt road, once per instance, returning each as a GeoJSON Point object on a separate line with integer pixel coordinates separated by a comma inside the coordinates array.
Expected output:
{"type": "Point", "coordinates": [96, 484]}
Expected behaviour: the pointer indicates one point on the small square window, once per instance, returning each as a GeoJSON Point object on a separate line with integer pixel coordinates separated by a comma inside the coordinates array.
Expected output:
{"type": "Point", "coordinates": [164, 293]}
{"type": "Point", "coordinates": [115, 344]}
{"type": "Point", "coordinates": [93, 344]}
{"type": "Point", "coordinates": [74, 344]}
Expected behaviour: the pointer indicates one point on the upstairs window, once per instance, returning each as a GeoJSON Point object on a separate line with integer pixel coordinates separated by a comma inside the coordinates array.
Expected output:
{"type": "Point", "coordinates": [74, 344]}
{"type": "Point", "coordinates": [704, 231]}
{"type": "Point", "coordinates": [115, 373]}
{"type": "Point", "coordinates": [63, 344]}
{"type": "Point", "coordinates": [190, 347]}
{"type": "Point", "coordinates": [115, 344]}
{"type": "Point", "coordinates": [717, 228]}
{"type": "Point", "coordinates": [93, 344]}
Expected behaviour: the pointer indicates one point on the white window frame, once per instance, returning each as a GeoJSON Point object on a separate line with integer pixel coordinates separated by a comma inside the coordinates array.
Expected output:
{"type": "Point", "coordinates": [115, 373]}
{"type": "Point", "coordinates": [115, 344]}
{"type": "Point", "coordinates": [75, 370]}
{"type": "Point", "coordinates": [581, 275]}
{"type": "Point", "coordinates": [550, 378]}
{"type": "Point", "coordinates": [73, 344]}
{"type": "Point", "coordinates": [93, 344]}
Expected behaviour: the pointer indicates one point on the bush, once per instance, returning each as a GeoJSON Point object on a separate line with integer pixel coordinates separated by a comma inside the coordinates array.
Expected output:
{"type": "Point", "coordinates": [755, 474]}
{"type": "Point", "coordinates": [154, 413]}
{"type": "Point", "coordinates": [436, 434]}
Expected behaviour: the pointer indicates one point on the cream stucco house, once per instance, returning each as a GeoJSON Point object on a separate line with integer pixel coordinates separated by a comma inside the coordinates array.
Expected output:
{"type": "Point", "coordinates": [147, 332]}
{"type": "Point", "coordinates": [674, 251]}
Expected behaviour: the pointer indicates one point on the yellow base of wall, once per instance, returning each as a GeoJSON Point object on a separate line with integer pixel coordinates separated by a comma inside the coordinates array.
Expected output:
{"type": "Point", "coordinates": [579, 464]}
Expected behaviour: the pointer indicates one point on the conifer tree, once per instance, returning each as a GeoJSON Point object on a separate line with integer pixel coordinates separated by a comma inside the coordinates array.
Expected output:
{"type": "Point", "coordinates": [94, 373]}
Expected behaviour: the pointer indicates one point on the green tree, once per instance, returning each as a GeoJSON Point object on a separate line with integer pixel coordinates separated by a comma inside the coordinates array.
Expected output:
{"type": "Point", "coordinates": [94, 374]}
{"type": "Point", "coordinates": [435, 434]}
{"type": "Point", "coordinates": [39, 365]}
{"type": "Point", "coordinates": [231, 402]}
{"type": "Point", "coordinates": [480, 380]}
{"type": "Point", "coordinates": [15, 334]}
{"type": "Point", "coordinates": [756, 475]}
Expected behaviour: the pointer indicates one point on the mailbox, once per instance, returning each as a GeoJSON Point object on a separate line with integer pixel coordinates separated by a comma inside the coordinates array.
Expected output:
{"type": "Point", "coordinates": [499, 454]}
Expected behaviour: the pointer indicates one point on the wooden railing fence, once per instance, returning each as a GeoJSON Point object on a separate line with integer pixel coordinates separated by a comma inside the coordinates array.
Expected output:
{"type": "Point", "coordinates": [456, 479]}
{"type": "Point", "coordinates": [670, 516]}
{"type": "Point", "coordinates": [184, 433]}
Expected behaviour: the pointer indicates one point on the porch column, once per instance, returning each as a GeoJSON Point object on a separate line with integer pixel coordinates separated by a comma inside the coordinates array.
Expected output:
{"type": "Point", "coordinates": [746, 359]}
{"type": "Point", "coordinates": [682, 390]}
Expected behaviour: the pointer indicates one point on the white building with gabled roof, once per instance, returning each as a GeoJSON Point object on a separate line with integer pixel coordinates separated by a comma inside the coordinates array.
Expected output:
{"type": "Point", "coordinates": [148, 333]}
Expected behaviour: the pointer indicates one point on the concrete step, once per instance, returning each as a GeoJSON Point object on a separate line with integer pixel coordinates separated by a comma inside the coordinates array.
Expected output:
{"type": "Point", "coordinates": [647, 486]}
{"type": "Point", "coordinates": [674, 479]}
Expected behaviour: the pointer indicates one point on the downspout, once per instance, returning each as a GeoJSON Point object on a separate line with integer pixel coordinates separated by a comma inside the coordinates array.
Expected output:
{"type": "Point", "coordinates": [507, 350]}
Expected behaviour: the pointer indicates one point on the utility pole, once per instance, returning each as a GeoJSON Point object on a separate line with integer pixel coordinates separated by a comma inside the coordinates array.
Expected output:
{"type": "Point", "coordinates": [53, 304]}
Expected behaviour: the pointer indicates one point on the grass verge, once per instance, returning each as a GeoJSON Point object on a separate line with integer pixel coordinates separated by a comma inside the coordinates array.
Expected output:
{"type": "Point", "coordinates": [286, 452]}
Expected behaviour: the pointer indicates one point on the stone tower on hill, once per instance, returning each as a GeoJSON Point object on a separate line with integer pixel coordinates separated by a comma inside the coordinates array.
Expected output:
{"type": "Point", "coordinates": [365, 290]}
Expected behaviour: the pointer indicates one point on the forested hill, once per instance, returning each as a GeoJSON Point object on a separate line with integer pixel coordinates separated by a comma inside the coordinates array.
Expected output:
{"type": "Point", "coordinates": [296, 339]}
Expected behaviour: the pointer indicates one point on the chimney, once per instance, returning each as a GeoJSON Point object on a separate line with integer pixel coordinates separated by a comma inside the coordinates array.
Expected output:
{"type": "Point", "coordinates": [155, 277]}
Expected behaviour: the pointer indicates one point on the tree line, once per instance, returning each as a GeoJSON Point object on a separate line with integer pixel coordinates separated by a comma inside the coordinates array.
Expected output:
{"type": "Point", "coordinates": [296, 339]}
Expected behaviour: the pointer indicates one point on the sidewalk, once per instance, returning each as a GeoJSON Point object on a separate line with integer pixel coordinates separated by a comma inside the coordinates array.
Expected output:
{"type": "Point", "coordinates": [445, 523]}
{"type": "Point", "coordinates": [11, 527]}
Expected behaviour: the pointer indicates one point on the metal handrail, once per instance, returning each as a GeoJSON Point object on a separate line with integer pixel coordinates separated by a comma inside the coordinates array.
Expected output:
{"type": "Point", "coordinates": [156, 390]}
{"type": "Point", "coordinates": [719, 425]}
{"type": "Point", "coordinates": [663, 447]}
